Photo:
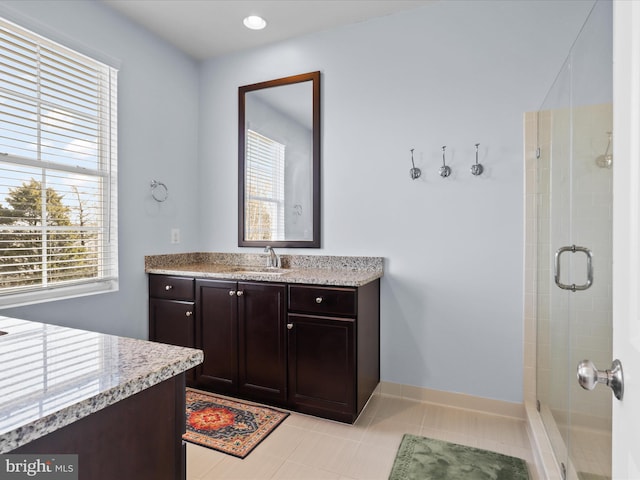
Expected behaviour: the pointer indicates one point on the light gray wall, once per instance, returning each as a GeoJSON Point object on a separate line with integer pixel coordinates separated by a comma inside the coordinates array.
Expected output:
{"type": "Point", "coordinates": [158, 137]}
{"type": "Point", "coordinates": [454, 74]}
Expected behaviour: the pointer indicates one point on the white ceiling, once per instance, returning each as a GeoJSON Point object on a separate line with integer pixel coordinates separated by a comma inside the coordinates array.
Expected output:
{"type": "Point", "coordinates": [209, 28]}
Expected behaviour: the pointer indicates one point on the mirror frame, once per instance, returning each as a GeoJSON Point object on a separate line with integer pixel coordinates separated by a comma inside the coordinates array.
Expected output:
{"type": "Point", "coordinates": [313, 77]}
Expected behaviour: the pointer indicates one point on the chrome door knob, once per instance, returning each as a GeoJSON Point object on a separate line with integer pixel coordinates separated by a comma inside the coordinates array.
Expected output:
{"type": "Point", "coordinates": [318, 299]}
{"type": "Point", "coordinates": [589, 376]}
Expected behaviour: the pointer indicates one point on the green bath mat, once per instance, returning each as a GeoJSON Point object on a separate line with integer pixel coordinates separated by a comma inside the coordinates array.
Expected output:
{"type": "Point", "coordinates": [421, 458]}
{"type": "Point", "coordinates": [591, 476]}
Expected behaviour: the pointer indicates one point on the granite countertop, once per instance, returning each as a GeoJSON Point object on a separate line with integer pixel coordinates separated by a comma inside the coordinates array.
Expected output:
{"type": "Point", "coordinates": [52, 376]}
{"type": "Point", "coordinates": [307, 269]}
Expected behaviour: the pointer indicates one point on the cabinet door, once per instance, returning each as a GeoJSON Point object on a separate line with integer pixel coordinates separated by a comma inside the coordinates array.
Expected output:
{"type": "Point", "coordinates": [262, 340]}
{"type": "Point", "coordinates": [217, 334]}
{"type": "Point", "coordinates": [173, 322]}
{"type": "Point", "coordinates": [322, 366]}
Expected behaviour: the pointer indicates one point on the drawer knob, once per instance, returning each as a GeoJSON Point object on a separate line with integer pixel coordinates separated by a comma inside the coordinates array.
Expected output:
{"type": "Point", "coordinates": [232, 293]}
{"type": "Point", "coordinates": [318, 299]}
{"type": "Point", "coordinates": [289, 326]}
{"type": "Point", "coordinates": [188, 313]}
{"type": "Point", "coordinates": [168, 287]}
{"type": "Point", "coordinates": [240, 293]}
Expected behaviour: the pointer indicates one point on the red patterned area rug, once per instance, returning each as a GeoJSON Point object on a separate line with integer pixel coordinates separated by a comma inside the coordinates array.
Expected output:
{"type": "Point", "coordinates": [226, 425]}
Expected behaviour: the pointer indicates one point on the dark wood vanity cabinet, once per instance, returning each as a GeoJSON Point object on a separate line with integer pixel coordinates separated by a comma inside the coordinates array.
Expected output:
{"type": "Point", "coordinates": [333, 349]}
{"type": "Point", "coordinates": [241, 328]}
{"type": "Point", "coordinates": [172, 313]}
{"type": "Point", "coordinates": [313, 349]}
{"type": "Point", "coordinates": [217, 333]}
{"type": "Point", "coordinates": [322, 366]}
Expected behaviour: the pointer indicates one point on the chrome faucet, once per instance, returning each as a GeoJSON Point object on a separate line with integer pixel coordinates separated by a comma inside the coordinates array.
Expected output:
{"type": "Point", "coordinates": [274, 259]}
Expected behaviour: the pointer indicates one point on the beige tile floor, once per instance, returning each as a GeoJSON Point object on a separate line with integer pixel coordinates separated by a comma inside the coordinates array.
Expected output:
{"type": "Point", "coordinates": [591, 451]}
{"type": "Point", "coordinates": [305, 447]}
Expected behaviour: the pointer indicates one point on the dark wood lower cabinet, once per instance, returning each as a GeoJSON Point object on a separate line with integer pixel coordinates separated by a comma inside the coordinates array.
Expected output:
{"type": "Point", "coordinates": [322, 366]}
{"type": "Point", "coordinates": [173, 322]}
{"type": "Point", "coordinates": [262, 362]}
{"type": "Point", "coordinates": [241, 328]}
{"type": "Point", "coordinates": [217, 334]}
{"type": "Point", "coordinates": [139, 437]}
{"type": "Point", "coordinates": [310, 348]}
{"type": "Point", "coordinates": [334, 349]}
{"type": "Point", "coordinates": [172, 313]}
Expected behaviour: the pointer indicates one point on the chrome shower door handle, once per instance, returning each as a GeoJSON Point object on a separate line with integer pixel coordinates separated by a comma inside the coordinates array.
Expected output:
{"type": "Point", "coordinates": [589, 376]}
{"type": "Point", "coordinates": [556, 268]}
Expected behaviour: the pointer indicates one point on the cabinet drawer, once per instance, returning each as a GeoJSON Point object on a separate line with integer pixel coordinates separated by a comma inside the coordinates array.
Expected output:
{"type": "Point", "coordinates": [324, 300]}
{"type": "Point", "coordinates": [175, 288]}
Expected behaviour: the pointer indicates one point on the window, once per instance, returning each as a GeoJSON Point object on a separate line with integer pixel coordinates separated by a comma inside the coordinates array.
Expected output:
{"type": "Point", "coordinates": [265, 188]}
{"type": "Point", "coordinates": [58, 208]}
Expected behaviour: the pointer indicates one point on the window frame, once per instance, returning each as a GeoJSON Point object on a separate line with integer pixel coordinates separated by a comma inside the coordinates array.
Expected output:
{"type": "Point", "coordinates": [104, 174]}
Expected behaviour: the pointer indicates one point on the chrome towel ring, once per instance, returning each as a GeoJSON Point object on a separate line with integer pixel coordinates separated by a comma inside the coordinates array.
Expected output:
{"type": "Point", "coordinates": [159, 191]}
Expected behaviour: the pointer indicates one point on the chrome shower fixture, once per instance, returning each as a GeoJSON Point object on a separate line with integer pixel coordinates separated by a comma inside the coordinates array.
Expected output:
{"type": "Point", "coordinates": [444, 170]}
{"type": "Point", "coordinates": [477, 168]}
{"type": "Point", "coordinates": [414, 172]}
{"type": "Point", "coordinates": [606, 160]}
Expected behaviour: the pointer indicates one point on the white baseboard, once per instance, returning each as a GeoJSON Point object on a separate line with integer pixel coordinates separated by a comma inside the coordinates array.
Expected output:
{"type": "Point", "coordinates": [457, 400]}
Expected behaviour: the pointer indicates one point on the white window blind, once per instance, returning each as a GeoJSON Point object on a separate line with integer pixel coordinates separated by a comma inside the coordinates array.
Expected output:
{"type": "Point", "coordinates": [58, 208]}
{"type": "Point", "coordinates": [264, 188]}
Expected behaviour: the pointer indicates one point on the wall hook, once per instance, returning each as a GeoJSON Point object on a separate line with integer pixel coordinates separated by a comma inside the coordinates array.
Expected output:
{"type": "Point", "coordinates": [477, 168]}
{"type": "Point", "coordinates": [414, 172]}
{"type": "Point", "coordinates": [445, 170]}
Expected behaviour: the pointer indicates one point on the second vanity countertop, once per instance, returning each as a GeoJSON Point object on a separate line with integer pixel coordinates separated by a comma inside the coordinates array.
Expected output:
{"type": "Point", "coordinates": [53, 376]}
{"type": "Point", "coordinates": [307, 269]}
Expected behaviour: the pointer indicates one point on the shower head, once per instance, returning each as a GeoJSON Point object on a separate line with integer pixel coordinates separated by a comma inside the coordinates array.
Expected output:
{"type": "Point", "coordinates": [606, 160]}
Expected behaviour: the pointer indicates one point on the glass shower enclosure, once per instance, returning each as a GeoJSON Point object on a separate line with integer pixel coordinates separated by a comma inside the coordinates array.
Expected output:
{"type": "Point", "coordinates": [573, 243]}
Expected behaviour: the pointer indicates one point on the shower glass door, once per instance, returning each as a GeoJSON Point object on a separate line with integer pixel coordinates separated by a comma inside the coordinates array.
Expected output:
{"type": "Point", "coordinates": [574, 178]}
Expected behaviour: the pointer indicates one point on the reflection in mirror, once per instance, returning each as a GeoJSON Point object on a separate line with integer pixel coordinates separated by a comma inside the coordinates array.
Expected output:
{"type": "Point", "coordinates": [279, 162]}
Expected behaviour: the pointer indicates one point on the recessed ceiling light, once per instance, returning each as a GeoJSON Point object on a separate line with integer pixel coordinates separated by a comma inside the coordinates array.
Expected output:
{"type": "Point", "coordinates": [254, 22]}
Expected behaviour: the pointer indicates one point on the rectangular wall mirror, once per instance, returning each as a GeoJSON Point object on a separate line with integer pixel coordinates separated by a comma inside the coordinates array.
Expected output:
{"type": "Point", "coordinates": [279, 162]}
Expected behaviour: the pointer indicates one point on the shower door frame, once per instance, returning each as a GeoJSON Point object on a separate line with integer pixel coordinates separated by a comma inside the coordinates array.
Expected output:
{"type": "Point", "coordinates": [626, 268]}
{"type": "Point", "coordinates": [572, 194]}
{"type": "Point", "coordinates": [563, 315]}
